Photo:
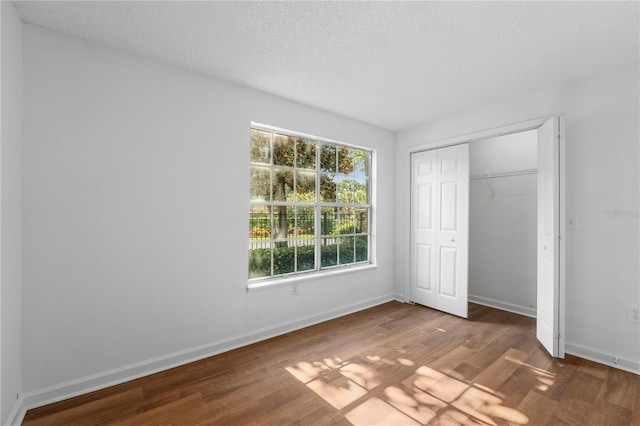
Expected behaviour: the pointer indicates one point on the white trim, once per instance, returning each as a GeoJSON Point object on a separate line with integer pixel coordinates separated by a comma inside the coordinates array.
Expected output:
{"type": "Point", "coordinates": [563, 238]}
{"type": "Point", "coordinates": [482, 134]}
{"type": "Point", "coordinates": [404, 198]}
{"type": "Point", "coordinates": [312, 275]}
{"type": "Point", "coordinates": [373, 202]}
{"type": "Point", "coordinates": [288, 132]}
{"type": "Point", "coordinates": [595, 355]}
{"type": "Point", "coordinates": [398, 297]}
{"type": "Point", "coordinates": [83, 385]}
{"type": "Point", "coordinates": [318, 205]}
{"type": "Point", "coordinates": [504, 306]}
{"type": "Point", "coordinates": [17, 413]}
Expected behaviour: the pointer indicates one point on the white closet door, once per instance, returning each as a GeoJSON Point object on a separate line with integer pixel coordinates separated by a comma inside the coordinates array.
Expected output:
{"type": "Point", "coordinates": [453, 232]}
{"type": "Point", "coordinates": [424, 205]}
{"type": "Point", "coordinates": [548, 236]}
{"type": "Point", "coordinates": [440, 229]}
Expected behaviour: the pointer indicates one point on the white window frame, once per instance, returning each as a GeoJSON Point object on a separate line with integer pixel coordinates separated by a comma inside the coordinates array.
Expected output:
{"type": "Point", "coordinates": [319, 271]}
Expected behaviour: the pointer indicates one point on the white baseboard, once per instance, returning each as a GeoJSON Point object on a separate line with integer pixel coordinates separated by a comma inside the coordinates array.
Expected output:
{"type": "Point", "coordinates": [505, 306]}
{"type": "Point", "coordinates": [17, 413]}
{"type": "Point", "coordinates": [83, 385]}
{"type": "Point", "coordinates": [581, 351]}
{"type": "Point", "coordinates": [596, 355]}
{"type": "Point", "coordinates": [400, 298]}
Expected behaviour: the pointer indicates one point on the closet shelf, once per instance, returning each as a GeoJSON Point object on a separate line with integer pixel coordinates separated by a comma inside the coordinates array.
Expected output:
{"type": "Point", "coordinates": [504, 174]}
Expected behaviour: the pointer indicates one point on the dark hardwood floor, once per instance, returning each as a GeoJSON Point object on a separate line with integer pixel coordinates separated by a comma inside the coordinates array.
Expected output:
{"type": "Point", "coordinates": [394, 364]}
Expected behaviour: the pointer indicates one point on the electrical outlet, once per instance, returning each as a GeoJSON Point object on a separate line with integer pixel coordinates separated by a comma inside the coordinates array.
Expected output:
{"type": "Point", "coordinates": [633, 314]}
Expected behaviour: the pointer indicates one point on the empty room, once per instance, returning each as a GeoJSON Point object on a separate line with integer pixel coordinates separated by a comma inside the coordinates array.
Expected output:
{"type": "Point", "coordinates": [279, 213]}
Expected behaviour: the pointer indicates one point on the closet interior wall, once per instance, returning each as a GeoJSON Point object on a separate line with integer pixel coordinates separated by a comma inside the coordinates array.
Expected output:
{"type": "Point", "coordinates": [503, 222]}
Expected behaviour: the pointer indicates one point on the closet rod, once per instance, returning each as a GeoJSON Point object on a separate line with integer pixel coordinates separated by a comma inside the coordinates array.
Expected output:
{"type": "Point", "coordinates": [504, 174]}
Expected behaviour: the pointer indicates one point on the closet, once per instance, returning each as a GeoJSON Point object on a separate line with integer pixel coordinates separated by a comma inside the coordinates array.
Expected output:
{"type": "Point", "coordinates": [503, 222]}
{"type": "Point", "coordinates": [485, 224]}
{"type": "Point", "coordinates": [486, 189]}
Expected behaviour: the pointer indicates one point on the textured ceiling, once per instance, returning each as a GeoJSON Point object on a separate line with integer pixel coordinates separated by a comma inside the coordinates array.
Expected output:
{"type": "Point", "coordinates": [391, 64]}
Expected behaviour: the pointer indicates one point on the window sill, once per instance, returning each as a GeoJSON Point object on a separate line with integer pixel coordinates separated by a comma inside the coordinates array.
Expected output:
{"type": "Point", "coordinates": [296, 279]}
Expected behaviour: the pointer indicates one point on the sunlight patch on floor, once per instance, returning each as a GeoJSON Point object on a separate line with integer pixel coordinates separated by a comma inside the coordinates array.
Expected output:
{"type": "Point", "coordinates": [374, 411]}
{"type": "Point", "coordinates": [361, 375]}
{"type": "Point", "coordinates": [307, 371]}
{"type": "Point", "coordinates": [475, 402]}
{"type": "Point", "coordinates": [545, 378]}
{"type": "Point", "coordinates": [421, 398]}
{"type": "Point", "coordinates": [418, 405]}
{"type": "Point", "coordinates": [506, 413]}
{"type": "Point", "coordinates": [406, 362]}
{"type": "Point", "coordinates": [334, 362]}
{"type": "Point", "coordinates": [437, 384]}
{"type": "Point", "coordinates": [339, 392]}
{"type": "Point", "coordinates": [535, 370]}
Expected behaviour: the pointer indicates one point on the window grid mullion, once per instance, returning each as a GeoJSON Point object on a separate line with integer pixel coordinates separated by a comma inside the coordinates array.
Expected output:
{"type": "Point", "coordinates": [294, 208]}
{"type": "Point", "coordinates": [271, 234]}
{"type": "Point", "coordinates": [317, 205]}
{"type": "Point", "coordinates": [337, 218]}
{"type": "Point", "coordinates": [317, 212]}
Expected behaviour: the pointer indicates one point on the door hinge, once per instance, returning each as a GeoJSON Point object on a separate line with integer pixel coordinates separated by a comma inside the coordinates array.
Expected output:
{"type": "Point", "coordinates": [559, 237]}
{"type": "Point", "coordinates": [558, 335]}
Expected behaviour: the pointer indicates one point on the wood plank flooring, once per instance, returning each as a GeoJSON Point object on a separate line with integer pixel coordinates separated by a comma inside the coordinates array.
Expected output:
{"type": "Point", "coordinates": [394, 364]}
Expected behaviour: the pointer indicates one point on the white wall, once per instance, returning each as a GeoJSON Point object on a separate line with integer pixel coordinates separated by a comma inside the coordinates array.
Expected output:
{"type": "Point", "coordinates": [602, 134]}
{"type": "Point", "coordinates": [10, 213]}
{"type": "Point", "coordinates": [136, 188]}
{"type": "Point", "coordinates": [503, 223]}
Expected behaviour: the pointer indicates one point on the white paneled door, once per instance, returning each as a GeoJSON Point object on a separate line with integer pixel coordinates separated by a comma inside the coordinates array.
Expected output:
{"type": "Point", "coordinates": [440, 228]}
{"type": "Point", "coordinates": [548, 236]}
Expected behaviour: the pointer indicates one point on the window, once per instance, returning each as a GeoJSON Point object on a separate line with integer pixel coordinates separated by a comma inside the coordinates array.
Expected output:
{"type": "Point", "coordinates": [310, 204]}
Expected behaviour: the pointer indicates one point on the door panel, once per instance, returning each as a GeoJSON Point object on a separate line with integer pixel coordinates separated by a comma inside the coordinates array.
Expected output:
{"type": "Point", "coordinates": [424, 204]}
{"type": "Point", "coordinates": [548, 236]}
{"type": "Point", "coordinates": [425, 167]}
{"type": "Point", "coordinates": [424, 267]}
{"type": "Point", "coordinates": [448, 206]}
{"type": "Point", "coordinates": [448, 271]}
{"type": "Point", "coordinates": [439, 251]}
{"type": "Point", "coordinates": [448, 164]}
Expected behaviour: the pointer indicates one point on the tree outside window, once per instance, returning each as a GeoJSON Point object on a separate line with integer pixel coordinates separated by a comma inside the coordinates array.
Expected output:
{"type": "Point", "coordinates": [309, 204]}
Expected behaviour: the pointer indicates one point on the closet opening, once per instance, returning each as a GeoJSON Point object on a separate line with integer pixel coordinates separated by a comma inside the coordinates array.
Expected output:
{"type": "Point", "coordinates": [503, 222]}
{"type": "Point", "coordinates": [486, 221]}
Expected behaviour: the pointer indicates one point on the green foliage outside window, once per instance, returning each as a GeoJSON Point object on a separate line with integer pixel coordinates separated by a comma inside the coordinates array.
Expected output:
{"type": "Point", "coordinates": [283, 258]}
{"type": "Point", "coordinates": [309, 203]}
